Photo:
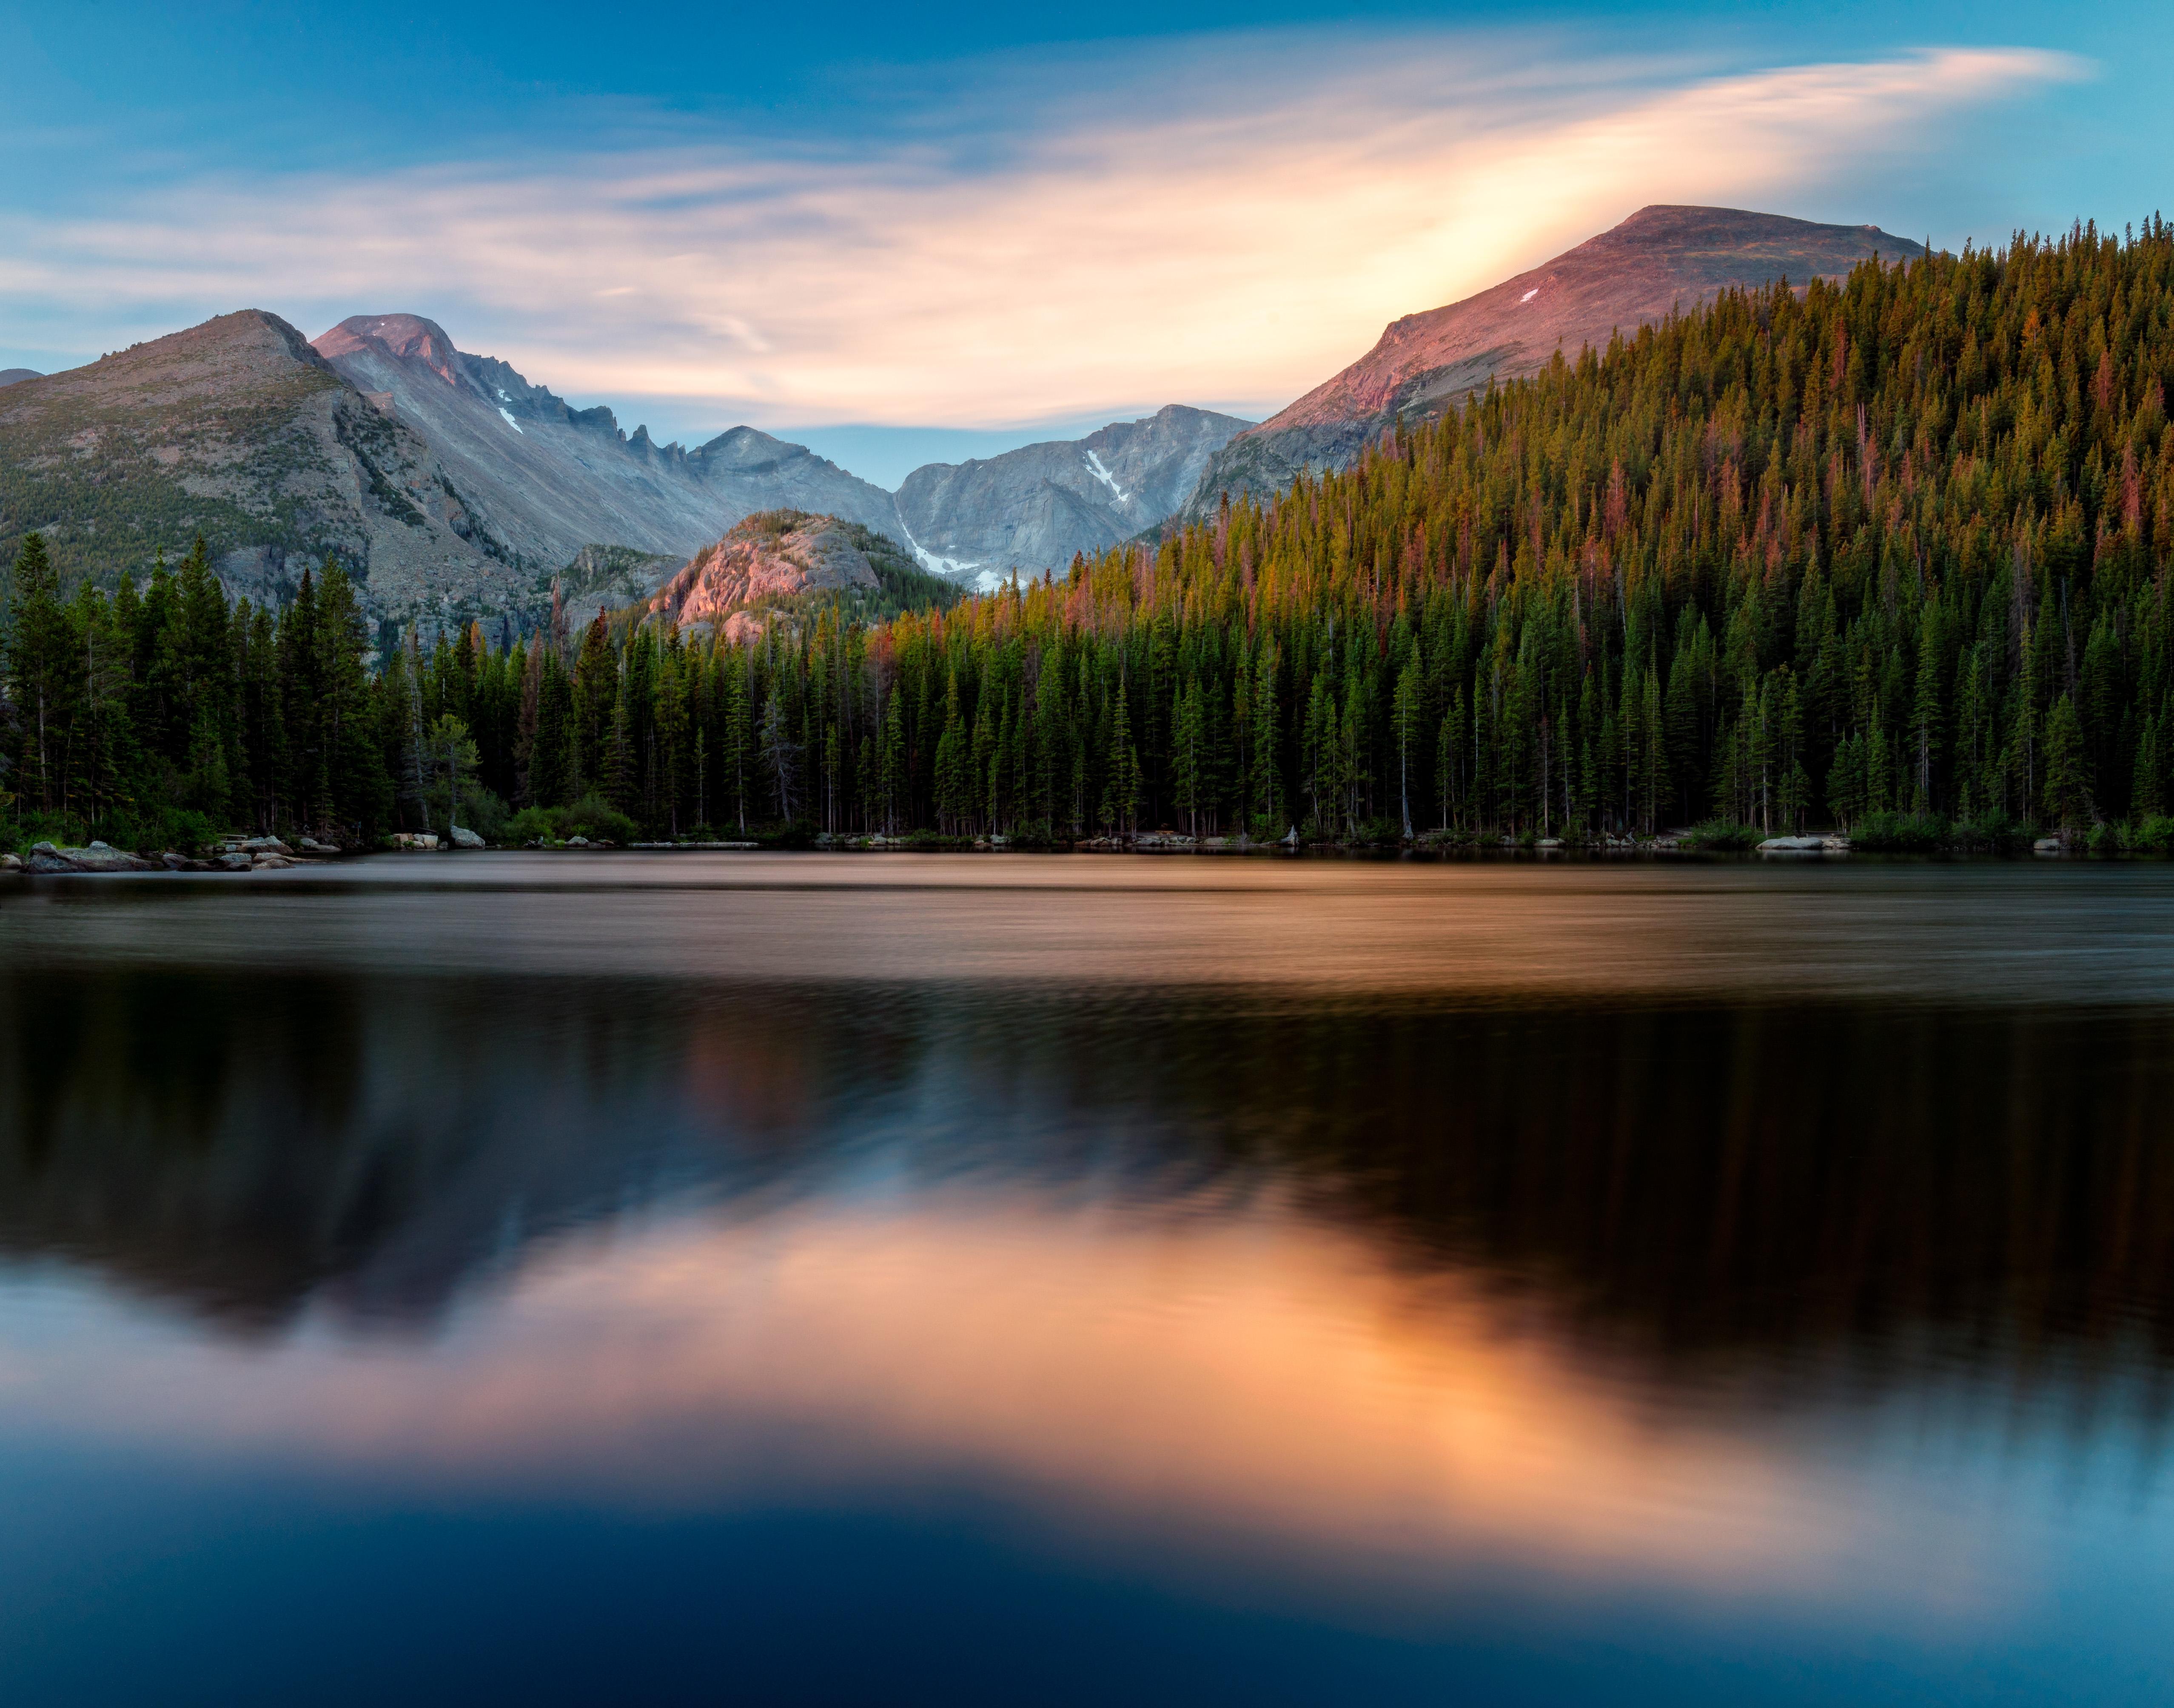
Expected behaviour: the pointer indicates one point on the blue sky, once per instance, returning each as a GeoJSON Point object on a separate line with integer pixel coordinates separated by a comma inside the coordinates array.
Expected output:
{"type": "Point", "coordinates": [900, 233]}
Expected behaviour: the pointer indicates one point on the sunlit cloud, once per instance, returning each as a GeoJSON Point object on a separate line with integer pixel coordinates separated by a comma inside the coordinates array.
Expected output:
{"type": "Point", "coordinates": [1208, 239]}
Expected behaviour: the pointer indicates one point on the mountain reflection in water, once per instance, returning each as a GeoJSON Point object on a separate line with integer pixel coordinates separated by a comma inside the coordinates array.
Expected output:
{"type": "Point", "coordinates": [1654, 1281]}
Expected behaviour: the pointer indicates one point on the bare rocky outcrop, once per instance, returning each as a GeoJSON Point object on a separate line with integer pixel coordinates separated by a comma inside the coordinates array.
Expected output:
{"type": "Point", "coordinates": [1660, 259]}
{"type": "Point", "coordinates": [772, 555]}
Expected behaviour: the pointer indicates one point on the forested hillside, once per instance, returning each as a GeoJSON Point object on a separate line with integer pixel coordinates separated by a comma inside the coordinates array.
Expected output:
{"type": "Point", "coordinates": [1898, 546]}
{"type": "Point", "coordinates": [1893, 547]}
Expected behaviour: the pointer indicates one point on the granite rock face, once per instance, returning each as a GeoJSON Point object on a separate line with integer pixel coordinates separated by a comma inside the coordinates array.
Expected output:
{"type": "Point", "coordinates": [1659, 259]}
{"type": "Point", "coordinates": [1032, 509]}
{"type": "Point", "coordinates": [96, 856]}
{"type": "Point", "coordinates": [775, 555]}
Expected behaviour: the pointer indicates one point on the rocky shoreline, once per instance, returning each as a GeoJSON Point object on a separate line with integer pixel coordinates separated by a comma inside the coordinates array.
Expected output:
{"type": "Point", "coordinates": [237, 855]}
{"type": "Point", "coordinates": [252, 854]}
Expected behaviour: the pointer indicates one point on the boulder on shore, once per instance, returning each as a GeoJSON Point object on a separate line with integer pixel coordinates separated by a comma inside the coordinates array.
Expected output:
{"type": "Point", "coordinates": [96, 856]}
{"type": "Point", "coordinates": [465, 838]}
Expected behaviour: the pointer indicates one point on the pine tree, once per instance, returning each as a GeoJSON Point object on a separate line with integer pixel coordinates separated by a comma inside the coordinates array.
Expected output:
{"type": "Point", "coordinates": [41, 688]}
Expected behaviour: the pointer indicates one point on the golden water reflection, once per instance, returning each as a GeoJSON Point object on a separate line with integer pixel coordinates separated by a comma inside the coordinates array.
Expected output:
{"type": "Point", "coordinates": [1204, 1385]}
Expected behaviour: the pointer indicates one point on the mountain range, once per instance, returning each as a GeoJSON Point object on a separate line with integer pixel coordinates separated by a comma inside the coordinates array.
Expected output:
{"type": "Point", "coordinates": [454, 488]}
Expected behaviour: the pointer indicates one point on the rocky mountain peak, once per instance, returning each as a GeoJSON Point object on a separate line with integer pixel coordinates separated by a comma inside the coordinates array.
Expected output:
{"type": "Point", "coordinates": [406, 338]}
{"type": "Point", "coordinates": [1662, 258]}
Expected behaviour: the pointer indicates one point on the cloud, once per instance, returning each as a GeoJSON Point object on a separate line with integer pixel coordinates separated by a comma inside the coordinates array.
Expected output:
{"type": "Point", "coordinates": [1208, 235]}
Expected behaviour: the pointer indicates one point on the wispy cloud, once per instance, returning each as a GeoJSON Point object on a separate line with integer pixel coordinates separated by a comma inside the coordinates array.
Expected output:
{"type": "Point", "coordinates": [1200, 236]}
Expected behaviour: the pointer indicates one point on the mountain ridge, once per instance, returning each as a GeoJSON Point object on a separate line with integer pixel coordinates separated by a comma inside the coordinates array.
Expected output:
{"type": "Point", "coordinates": [1662, 257]}
{"type": "Point", "coordinates": [237, 431]}
{"type": "Point", "coordinates": [1034, 507]}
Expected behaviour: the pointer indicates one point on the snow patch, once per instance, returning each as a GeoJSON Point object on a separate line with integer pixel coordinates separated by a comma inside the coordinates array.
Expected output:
{"type": "Point", "coordinates": [1530, 294]}
{"type": "Point", "coordinates": [510, 421]}
{"type": "Point", "coordinates": [1108, 479]}
{"type": "Point", "coordinates": [951, 568]}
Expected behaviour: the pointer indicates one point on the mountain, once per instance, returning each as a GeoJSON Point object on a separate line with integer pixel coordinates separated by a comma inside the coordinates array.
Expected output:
{"type": "Point", "coordinates": [237, 431]}
{"type": "Point", "coordinates": [551, 479]}
{"type": "Point", "coordinates": [1660, 258]}
{"type": "Point", "coordinates": [1033, 508]}
{"type": "Point", "coordinates": [8, 376]}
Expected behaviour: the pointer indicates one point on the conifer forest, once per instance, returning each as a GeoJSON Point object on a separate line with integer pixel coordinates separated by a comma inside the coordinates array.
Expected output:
{"type": "Point", "coordinates": [1889, 556]}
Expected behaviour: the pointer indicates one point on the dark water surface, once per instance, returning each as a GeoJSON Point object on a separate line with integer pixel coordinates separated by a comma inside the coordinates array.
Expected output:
{"type": "Point", "coordinates": [985, 1280]}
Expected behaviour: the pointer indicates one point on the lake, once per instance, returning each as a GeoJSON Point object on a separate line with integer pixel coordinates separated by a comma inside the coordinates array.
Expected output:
{"type": "Point", "coordinates": [810, 1278]}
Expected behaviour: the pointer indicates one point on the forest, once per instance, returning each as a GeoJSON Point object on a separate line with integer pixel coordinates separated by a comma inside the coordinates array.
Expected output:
{"type": "Point", "coordinates": [1889, 554]}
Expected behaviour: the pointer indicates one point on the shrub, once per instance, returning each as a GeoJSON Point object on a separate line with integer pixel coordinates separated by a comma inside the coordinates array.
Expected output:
{"type": "Point", "coordinates": [2154, 836]}
{"type": "Point", "coordinates": [1993, 833]}
{"type": "Point", "coordinates": [592, 818]}
{"type": "Point", "coordinates": [1719, 836]}
{"type": "Point", "coordinates": [596, 818]}
{"type": "Point", "coordinates": [530, 824]}
{"type": "Point", "coordinates": [485, 812]}
{"type": "Point", "coordinates": [1900, 833]}
{"type": "Point", "coordinates": [481, 811]}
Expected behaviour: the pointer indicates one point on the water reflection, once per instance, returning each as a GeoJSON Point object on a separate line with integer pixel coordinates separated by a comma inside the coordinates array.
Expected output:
{"type": "Point", "coordinates": [1628, 1279]}
{"type": "Point", "coordinates": [1748, 1183]}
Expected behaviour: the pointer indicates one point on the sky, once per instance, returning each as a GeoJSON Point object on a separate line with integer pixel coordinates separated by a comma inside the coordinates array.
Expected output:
{"type": "Point", "coordinates": [901, 234]}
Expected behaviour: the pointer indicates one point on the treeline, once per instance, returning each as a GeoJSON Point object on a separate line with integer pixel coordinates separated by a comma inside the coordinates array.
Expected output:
{"type": "Point", "coordinates": [1896, 546]}
{"type": "Point", "coordinates": [165, 715]}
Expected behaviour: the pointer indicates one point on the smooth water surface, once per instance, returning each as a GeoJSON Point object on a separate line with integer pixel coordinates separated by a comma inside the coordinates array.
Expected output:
{"type": "Point", "coordinates": [689, 1278]}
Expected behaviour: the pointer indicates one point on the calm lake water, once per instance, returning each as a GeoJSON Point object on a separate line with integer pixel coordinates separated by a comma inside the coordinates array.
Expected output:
{"type": "Point", "coordinates": [812, 1279]}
